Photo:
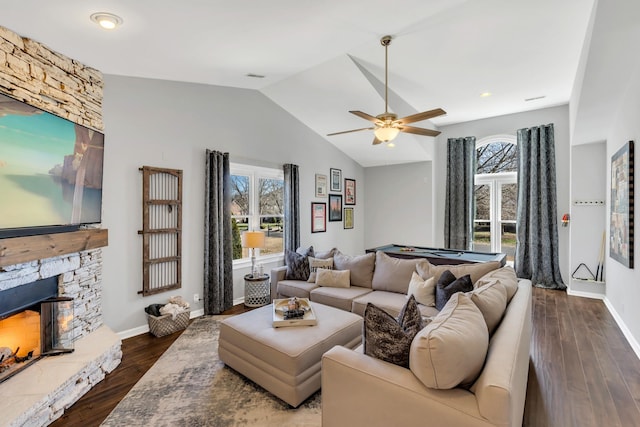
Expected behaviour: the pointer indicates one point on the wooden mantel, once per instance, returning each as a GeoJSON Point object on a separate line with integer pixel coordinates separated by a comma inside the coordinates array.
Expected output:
{"type": "Point", "coordinates": [17, 250]}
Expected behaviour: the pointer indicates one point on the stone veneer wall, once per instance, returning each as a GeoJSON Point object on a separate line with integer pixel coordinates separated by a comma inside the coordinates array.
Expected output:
{"type": "Point", "coordinates": [31, 72]}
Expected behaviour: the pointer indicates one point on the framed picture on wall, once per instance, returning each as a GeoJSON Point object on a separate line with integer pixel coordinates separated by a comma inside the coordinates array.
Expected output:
{"type": "Point", "coordinates": [349, 191]}
{"type": "Point", "coordinates": [335, 207]}
{"type": "Point", "coordinates": [348, 218]}
{"type": "Point", "coordinates": [621, 222]}
{"type": "Point", "coordinates": [318, 217]}
{"type": "Point", "coordinates": [335, 176]}
{"type": "Point", "coordinates": [321, 185]}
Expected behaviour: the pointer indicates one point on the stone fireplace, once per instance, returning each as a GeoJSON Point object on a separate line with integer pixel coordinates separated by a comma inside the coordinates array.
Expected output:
{"type": "Point", "coordinates": [38, 395]}
{"type": "Point", "coordinates": [34, 323]}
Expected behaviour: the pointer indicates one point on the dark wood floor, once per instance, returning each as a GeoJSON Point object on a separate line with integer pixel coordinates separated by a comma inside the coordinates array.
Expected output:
{"type": "Point", "coordinates": [582, 373]}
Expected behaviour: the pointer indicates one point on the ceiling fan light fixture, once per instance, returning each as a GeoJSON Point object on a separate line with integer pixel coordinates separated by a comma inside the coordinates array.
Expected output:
{"type": "Point", "coordinates": [386, 133]}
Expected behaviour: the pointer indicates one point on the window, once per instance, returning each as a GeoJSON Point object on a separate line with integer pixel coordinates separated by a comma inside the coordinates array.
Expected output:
{"type": "Point", "coordinates": [496, 195]}
{"type": "Point", "coordinates": [257, 203]}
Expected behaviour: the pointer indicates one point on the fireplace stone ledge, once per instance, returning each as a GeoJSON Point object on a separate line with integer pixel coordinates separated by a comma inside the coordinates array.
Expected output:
{"type": "Point", "coordinates": [39, 395]}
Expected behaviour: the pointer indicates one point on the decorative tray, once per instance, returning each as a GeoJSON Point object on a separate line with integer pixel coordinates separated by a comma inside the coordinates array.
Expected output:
{"type": "Point", "coordinates": [281, 309]}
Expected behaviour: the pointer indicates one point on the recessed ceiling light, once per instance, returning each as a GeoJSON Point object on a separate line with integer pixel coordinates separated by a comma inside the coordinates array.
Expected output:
{"type": "Point", "coordinates": [535, 98]}
{"type": "Point", "coordinates": [106, 20]}
{"type": "Point", "coordinates": [391, 144]}
{"type": "Point", "coordinates": [485, 94]}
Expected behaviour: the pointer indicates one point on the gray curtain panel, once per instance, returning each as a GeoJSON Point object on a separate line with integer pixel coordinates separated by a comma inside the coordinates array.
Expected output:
{"type": "Point", "coordinates": [537, 227]}
{"type": "Point", "coordinates": [291, 208]}
{"type": "Point", "coordinates": [459, 203]}
{"type": "Point", "coordinates": [218, 254]}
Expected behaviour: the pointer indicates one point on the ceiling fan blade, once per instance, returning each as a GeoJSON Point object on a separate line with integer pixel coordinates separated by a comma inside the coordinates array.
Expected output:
{"type": "Point", "coordinates": [421, 116]}
{"type": "Point", "coordinates": [349, 131]}
{"type": "Point", "coordinates": [366, 116]}
{"type": "Point", "coordinates": [419, 131]}
{"type": "Point", "coordinates": [376, 141]}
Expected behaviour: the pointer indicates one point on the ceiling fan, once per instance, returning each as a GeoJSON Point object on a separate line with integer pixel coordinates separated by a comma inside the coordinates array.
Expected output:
{"type": "Point", "coordinates": [387, 125]}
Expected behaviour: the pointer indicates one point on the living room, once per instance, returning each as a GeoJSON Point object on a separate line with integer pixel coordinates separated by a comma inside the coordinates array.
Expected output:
{"type": "Point", "coordinates": [170, 124]}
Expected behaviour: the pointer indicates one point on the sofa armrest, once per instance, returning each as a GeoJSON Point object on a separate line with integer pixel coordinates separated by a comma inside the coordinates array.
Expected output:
{"type": "Point", "coordinates": [361, 390]}
{"type": "Point", "coordinates": [277, 274]}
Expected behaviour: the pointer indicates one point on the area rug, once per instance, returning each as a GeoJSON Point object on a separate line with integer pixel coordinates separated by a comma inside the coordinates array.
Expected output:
{"type": "Point", "coordinates": [190, 386]}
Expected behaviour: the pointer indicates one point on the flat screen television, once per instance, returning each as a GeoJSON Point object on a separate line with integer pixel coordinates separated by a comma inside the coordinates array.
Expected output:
{"type": "Point", "coordinates": [50, 171]}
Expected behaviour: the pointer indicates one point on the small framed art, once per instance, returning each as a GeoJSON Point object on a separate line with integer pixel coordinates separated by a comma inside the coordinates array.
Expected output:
{"type": "Point", "coordinates": [321, 185]}
{"type": "Point", "coordinates": [349, 191]}
{"type": "Point", "coordinates": [335, 207]}
{"type": "Point", "coordinates": [348, 218]}
{"type": "Point", "coordinates": [335, 176]}
{"type": "Point", "coordinates": [318, 217]}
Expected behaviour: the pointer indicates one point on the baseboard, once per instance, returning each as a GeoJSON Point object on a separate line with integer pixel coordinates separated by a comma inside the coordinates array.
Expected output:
{"type": "Point", "coordinates": [623, 327]}
{"type": "Point", "coordinates": [585, 294]}
{"type": "Point", "coordinates": [144, 329]}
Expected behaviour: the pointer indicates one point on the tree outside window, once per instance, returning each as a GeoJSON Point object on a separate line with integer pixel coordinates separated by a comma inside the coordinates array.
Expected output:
{"type": "Point", "coordinates": [257, 202]}
{"type": "Point", "coordinates": [496, 196]}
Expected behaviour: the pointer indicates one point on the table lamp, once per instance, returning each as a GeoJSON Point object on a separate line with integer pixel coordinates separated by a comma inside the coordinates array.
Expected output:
{"type": "Point", "coordinates": [252, 240]}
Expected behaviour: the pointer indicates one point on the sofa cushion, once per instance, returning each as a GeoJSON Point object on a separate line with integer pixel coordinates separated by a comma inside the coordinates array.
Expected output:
{"type": "Point", "coordinates": [332, 278]}
{"type": "Point", "coordinates": [491, 299]}
{"type": "Point", "coordinates": [387, 338]}
{"type": "Point", "coordinates": [450, 351]}
{"type": "Point", "coordinates": [448, 285]}
{"type": "Point", "coordinates": [424, 290]}
{"type": "Point", "coordinates": [391, 302]}
{"type": "Point", "coordinates": [361, 267]}
{"type": "Point", "coordinates": [297, 266]}
{"type": "Point", "coordinates": [315, 263]}
{"type": "Point", "coordinates": [506, 276]}
{"type": "Point", "coordinates": [338, 297]}
{"type": "Point", "coordinates": [476, 271]}
{"type": "Point", "coordinates": [392, 274]}
{"type": "Point", "coordinates": [294, 288]}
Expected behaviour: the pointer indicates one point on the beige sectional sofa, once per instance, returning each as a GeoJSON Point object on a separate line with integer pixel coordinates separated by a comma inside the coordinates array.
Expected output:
{"type": "Point", "coordinates": [462, 371]}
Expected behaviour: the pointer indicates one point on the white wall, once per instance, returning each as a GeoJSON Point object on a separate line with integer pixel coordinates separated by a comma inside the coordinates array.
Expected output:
{"type": "Point", "coordinates": [509, 124]}
{"type": "Point", "coordinates": [170, 124]}
{"type": "Point", "coordinates": [398, 203]}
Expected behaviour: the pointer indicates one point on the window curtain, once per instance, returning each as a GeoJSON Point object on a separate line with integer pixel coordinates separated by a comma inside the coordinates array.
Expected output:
{"type": "Point", "coordinates": [459, 203]}
{"type": "Point", "coordinates": [291, 208]}
{"type": "Point", "coordinates": [218, 253]}
{"type": "Point", "coordinates": [537, 228]}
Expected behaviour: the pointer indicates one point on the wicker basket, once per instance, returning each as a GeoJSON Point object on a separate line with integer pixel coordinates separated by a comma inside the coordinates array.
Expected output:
{"type": "Point", "coordinates": [165, 325]}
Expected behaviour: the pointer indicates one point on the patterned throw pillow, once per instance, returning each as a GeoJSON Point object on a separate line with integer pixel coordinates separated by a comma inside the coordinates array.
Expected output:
{"type": "Point", "coordinates": [315, 263]}
{"type": "Point", "coordinates": [448, 285]}
{"type": "Point", "coordinates": [389, 339]}
{"type": "Point", "coordinates": [297, 266]}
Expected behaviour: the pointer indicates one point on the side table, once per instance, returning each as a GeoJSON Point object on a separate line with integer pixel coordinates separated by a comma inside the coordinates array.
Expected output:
{"type": "Point", "coordinates": [257, 291]}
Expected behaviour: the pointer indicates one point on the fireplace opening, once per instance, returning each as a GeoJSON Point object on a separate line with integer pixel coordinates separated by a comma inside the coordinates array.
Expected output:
{"type": "Point", "coordinates": [33, 324]}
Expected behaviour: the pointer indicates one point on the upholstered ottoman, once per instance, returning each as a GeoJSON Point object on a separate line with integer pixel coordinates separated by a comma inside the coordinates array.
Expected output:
{"type": "Point", "coordinates": [286, 360]}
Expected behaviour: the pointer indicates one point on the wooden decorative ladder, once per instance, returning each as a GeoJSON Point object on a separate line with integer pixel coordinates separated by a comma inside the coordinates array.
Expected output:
{"type": "Point", "coordinates": [161, 230]}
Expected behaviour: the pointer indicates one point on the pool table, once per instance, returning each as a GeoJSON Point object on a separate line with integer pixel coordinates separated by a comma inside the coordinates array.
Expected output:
{"type": "Point", "coordinates": [440, 256]}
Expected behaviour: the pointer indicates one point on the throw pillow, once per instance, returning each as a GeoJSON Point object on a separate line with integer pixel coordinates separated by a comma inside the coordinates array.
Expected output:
{"type": "Point", "coordinates": [387, 338]}
{"type": "Point", "coordinates": [297, 266]}
{"type": "Point", "coordinates": [315, 263]}
{"type": "Point", "coordinates": [332, 278]}
{"type": "Point", "coordinates": [451, 350]}
{"type": "Point", "coordinates": [306, 251]}
{"type": "Point", "coordinates": [448, 285]}
{"type": "Point", "coordinates": [392, 274]}
{"type": "Point", "coordinates": [491, 300]}
{"type": "Point", "coordinates": [476, 271]}
{"type": "Point", "coordinates": [326, 254]}
{"type": "Point", "coordinates": [424, 291]}
{"type": "Point", "coordinates": [361, 267]}
{"type": "Point", "coordinates": [505, 275]}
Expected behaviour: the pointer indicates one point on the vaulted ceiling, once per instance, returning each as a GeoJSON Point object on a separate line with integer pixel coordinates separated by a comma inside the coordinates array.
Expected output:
{"type": "Point", "coordinates": [321, 59]}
